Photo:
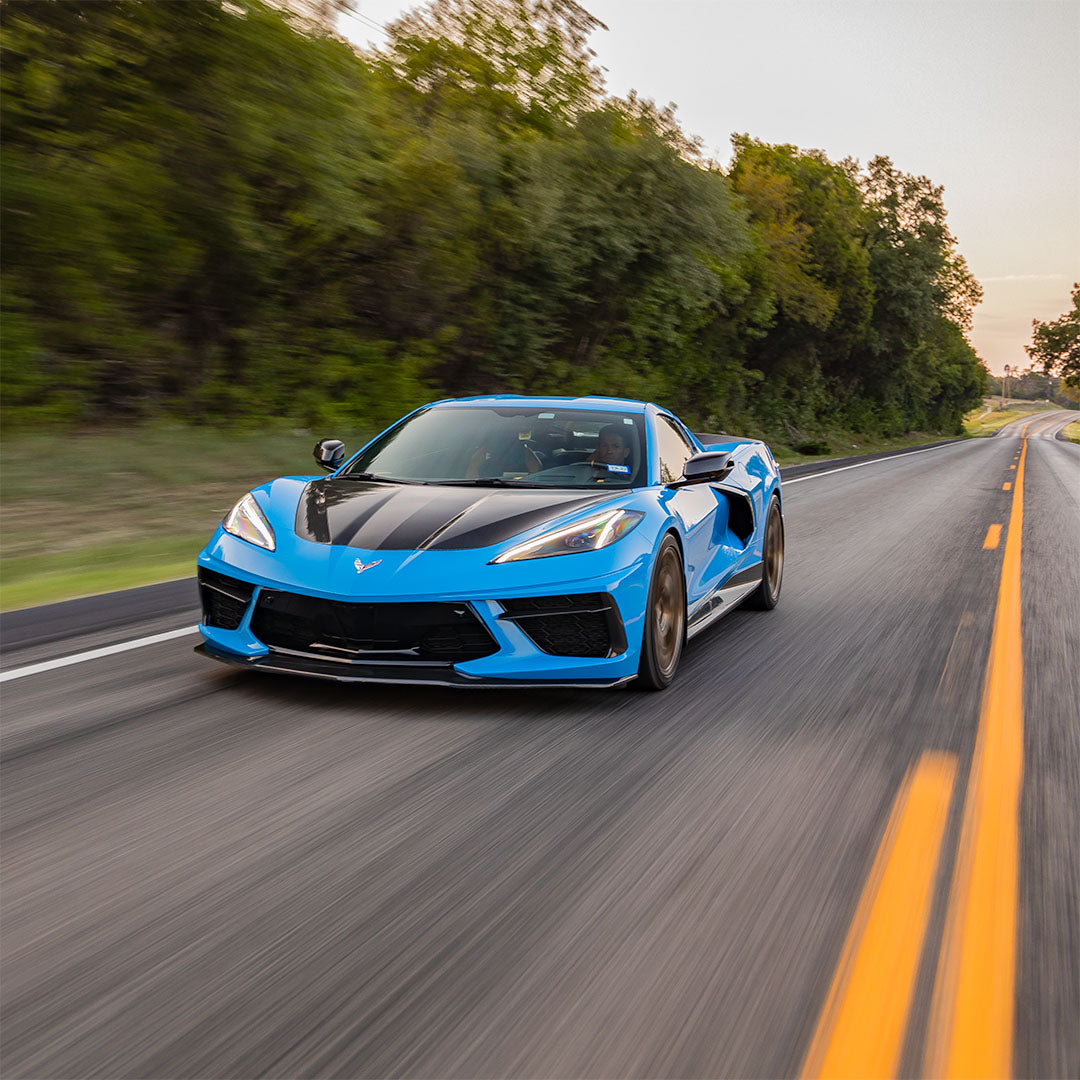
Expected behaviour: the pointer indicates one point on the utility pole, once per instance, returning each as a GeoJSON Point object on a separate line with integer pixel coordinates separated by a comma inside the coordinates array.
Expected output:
{"type": "Point", "coordinates": [1005, 387]}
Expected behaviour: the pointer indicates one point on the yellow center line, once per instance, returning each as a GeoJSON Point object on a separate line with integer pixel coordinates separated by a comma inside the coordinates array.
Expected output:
{"type": "Point", "coordinates": [993, 537]}
{"type": "Point", "coordinates": [1006, 486]}
{"type": "Point", "coordinates": [971, 1023]}
{"type": "Point", "coordinates": [861, 1029]}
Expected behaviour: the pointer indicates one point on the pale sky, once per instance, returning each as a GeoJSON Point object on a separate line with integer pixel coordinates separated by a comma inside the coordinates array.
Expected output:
{"type": "Point", "coordinates": [981, 96]}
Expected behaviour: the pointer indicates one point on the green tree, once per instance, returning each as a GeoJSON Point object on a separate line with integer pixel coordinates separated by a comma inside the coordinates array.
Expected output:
{"type": "Point", "coordinates": [522, 61]}
{"type": "Point", "coordinates": [1056, 344]}
{"type": "Point", "coordinates": [810, 223]}
{"type": "Point", "coordinates": [919, 280]}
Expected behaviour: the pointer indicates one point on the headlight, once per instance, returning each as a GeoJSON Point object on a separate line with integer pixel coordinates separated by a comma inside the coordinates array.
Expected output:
{"type": "Point", "coordinates": [591, 535]}
{"type": "Point", "coordinates": [248, 522]}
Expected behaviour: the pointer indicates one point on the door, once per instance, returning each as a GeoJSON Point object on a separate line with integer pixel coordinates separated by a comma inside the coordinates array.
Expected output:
{"type": "Point", "coordinates": [697, 507]}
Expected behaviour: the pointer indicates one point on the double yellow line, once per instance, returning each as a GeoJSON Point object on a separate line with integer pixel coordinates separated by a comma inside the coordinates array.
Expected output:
{"type": "Point", "coordinates": [862, 1027]}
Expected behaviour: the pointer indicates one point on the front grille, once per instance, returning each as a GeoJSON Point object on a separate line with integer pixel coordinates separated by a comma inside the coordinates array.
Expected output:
{"type": "Point", "coordinates": [350, 630]}
{"type": "Point", "coordinates": [584, 625]}
{"type": "Point", "coordinates": [224, 599]}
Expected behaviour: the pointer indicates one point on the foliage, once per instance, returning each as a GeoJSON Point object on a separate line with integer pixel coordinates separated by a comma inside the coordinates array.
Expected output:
{"type": "Point", "coordinates": [1056, 345]}
{"type": "Point", "coordinates": [522, 61]}
{"type": "Point", "coordinates": [214, 210]}
{"type": "Point", "coordinates": [915, 361]}
{"type": "Point", "coordinates": [872, 298]}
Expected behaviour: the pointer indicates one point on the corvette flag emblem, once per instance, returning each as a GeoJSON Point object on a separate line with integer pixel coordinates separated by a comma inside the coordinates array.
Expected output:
{"type": "Point", "coordinates": [362, 566]}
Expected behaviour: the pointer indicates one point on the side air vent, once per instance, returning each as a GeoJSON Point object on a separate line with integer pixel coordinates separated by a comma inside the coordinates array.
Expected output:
{"type": "Point", "coordinates": [224, 599]}
{"type": "Point", "coordinates": [584, 625]}
{"type": "Point", "coordinates": [740, 515]}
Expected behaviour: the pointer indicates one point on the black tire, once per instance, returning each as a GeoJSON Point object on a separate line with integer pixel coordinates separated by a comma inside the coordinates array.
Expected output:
{"type": "Point", "coordinates": [665, 620]}
{"type": "Point", "coordinates": [767, 595]}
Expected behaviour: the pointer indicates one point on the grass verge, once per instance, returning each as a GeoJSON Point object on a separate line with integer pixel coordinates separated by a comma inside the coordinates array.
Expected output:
{"type": "Point", "coordinates": [980, 422]}
{"type": "Point", "coordinates": [1072, 432]}
{"type": "Point", "coordinates": [90, 513]}
{"type": "Point", "coordinates": [849, 444]}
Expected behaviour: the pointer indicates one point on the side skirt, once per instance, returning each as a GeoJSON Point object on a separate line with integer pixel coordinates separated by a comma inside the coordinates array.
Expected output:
{"type": "Point", "coordinates": [726, 598]}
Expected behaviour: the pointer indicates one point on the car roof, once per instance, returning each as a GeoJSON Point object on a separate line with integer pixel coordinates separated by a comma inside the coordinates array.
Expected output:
{"type": "Point", "coordinates": [602, 404]}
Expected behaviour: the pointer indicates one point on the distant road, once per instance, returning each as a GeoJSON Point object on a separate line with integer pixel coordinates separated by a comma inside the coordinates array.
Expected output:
{"type": "Point", "coordinates": [847, 834]}
{"type": "Point", "coordinates": [1044, 425]}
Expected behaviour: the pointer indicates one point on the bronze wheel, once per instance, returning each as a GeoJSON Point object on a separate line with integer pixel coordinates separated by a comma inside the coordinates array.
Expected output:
{"type": "Point", "coordinates": [767, 595]}
{"type": "Point", "coordinates": [665, 619]}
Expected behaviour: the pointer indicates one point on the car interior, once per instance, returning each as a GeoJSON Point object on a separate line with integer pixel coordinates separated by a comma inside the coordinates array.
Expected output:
{"type": "Point", "coordinates": [528, 447]}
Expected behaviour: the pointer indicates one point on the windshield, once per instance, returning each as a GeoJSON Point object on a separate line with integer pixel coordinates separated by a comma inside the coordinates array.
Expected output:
{"type": "Point", "coordinates": [514, 446]}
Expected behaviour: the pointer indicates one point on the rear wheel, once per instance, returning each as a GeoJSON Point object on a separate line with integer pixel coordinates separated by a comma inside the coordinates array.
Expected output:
{"type": "Point", "coordinates": [665, 620]}
{"type": "Point", "coordinates": [767, 595]}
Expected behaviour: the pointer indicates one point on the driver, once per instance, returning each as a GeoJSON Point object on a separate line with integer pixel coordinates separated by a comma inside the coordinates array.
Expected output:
{"type": "Point", "coordinates": [612, 447]}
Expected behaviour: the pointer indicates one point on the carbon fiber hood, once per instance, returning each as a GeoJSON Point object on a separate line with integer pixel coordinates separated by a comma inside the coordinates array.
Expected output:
{"type": "Point", "coordinates": [392, 517]}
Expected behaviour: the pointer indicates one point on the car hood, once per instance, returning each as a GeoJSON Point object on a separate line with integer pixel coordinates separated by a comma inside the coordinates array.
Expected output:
{"type": "Point", "coordinates": [397, 517]}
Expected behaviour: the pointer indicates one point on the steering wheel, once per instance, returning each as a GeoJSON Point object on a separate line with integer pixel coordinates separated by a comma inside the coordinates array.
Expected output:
{"type": "Point", "coordinates": [578, 472]}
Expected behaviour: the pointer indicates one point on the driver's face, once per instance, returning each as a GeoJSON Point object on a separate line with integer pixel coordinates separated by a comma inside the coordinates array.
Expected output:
{"type": "Point", "coordinates": [611, 450]}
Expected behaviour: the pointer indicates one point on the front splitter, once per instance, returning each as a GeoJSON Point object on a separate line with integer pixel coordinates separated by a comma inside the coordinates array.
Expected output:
{"type": "Point", "coordinates": [405, 673]}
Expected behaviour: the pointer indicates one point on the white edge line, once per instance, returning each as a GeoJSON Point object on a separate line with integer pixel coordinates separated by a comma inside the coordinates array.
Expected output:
{"type": "Point", "coordinates": [95, 654]}
{"type": "Point", "coordinates": [861, 464]}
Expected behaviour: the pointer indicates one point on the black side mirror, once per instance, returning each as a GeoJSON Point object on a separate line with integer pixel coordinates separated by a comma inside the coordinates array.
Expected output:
{"type": "Point", "coordinates": [706, 468]}
{"type": "Point", "coordinates": [329, 453]}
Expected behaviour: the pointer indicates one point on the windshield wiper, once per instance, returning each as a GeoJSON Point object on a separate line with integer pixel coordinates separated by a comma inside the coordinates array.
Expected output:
{"type": "Point", "coordinates": [375, 479]}
{"type": "Point", "coordinates": [487, 481]}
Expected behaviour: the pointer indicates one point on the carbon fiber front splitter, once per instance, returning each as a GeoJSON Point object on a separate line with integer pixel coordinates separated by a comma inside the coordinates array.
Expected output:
{"type": "Point", "coordinates": [397, 673]}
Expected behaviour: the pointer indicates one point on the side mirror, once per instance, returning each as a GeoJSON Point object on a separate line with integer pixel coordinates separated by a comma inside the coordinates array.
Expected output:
{"type": "Point", "coordinates": [329, 453]}
{"type": "Point", "coordinates": [707, 467]}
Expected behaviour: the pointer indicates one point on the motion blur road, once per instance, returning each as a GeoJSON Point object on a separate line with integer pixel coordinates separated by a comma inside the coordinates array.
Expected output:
{"type": "Point", "coordinates": [779, 864]}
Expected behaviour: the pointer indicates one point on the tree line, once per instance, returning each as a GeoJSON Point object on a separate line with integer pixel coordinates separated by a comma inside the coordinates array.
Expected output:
{"type": "Point", "coordinates": [213, 211]}
{"type": "Point", "coordinates": [1032, 384]}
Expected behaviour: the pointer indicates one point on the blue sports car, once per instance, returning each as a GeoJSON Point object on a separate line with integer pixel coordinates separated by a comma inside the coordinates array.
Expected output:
{"type": "Point", "coordinates": [498, 541]}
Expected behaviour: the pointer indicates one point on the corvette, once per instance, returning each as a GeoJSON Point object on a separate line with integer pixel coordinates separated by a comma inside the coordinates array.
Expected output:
{"type": "Point", "coordinates": [498, 541]}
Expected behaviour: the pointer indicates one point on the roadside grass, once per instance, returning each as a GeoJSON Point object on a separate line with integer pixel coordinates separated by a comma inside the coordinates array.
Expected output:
{"type": "Point", "coordinates": [979, 423]}
{"type": "Point", "coordinates": [850, 444]}
{"type": "Point", "coordinates": [1072, 432]}
{"type": "Point", "coordinates": [83, 514]}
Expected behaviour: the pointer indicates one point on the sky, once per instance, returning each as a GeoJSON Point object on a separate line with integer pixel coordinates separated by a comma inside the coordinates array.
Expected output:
{"type": "Point", "coordinates": [981, 96]}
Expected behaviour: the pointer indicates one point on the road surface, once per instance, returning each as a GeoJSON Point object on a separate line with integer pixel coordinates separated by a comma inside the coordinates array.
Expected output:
{"type": "Point", "coordinates": [847, 837]}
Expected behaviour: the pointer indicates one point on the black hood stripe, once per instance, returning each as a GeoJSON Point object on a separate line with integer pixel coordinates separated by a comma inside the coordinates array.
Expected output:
{"type": "Point", "coordinates": [416, 521]}
{"type": "Point", "coordinates": [383, 517]}
{"type": "Point", "coordinates": [446, 526]}
{"type": "Point", "coordinates": [351, 527]}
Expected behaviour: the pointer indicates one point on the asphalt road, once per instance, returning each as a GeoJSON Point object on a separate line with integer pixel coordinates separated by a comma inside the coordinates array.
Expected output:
{"type": "Point", "coordinates": [209, 873]}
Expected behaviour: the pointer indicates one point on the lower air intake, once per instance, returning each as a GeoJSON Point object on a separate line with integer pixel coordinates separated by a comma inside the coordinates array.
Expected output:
{"type": "Point", "coordinates": [224, 599]}
{"type": "Point", "coordinates": [351, 631]}
{"type": "Point", "coordinates": [584, 625]}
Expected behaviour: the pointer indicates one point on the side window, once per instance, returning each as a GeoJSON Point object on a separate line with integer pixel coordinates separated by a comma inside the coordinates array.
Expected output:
{"type": "Point", "coordinates": [672, 449]}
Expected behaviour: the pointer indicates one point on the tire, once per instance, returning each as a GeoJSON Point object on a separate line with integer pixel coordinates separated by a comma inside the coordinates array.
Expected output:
{"type": "Point", "coordinates": [665, 620]}
{"type": "Point", "coordinates": [767, 595]}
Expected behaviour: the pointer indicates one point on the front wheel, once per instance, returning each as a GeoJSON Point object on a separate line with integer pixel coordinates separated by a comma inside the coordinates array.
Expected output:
{"type": "Point", "coordinates": [767, 595]}
{"type": "Point", "coordinates": [665, 620]}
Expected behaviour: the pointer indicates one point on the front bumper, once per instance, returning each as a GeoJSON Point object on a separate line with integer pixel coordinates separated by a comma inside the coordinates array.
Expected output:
{"type": "Point", "coordinates": [503, 604]}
